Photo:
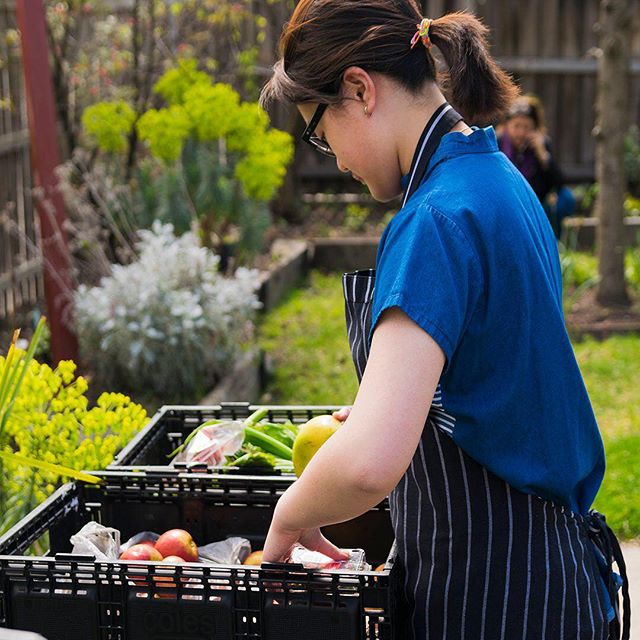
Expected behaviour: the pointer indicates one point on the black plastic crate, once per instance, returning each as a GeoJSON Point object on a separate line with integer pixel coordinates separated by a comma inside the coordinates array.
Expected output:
{"type": "Point", "coordinates": [172, 424]}
{"type": "Point", "coordinates": [70, 597]}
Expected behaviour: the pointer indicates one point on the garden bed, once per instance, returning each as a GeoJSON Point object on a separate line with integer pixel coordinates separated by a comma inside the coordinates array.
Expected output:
{"type": "Point", "coordinates": [587, 317]}
{"type": "Point", "coordinates": [345, 254]}
{"type": "Point", "coordinates": [290, 260]}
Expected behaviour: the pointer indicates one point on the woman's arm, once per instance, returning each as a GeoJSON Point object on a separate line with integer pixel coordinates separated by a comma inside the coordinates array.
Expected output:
{"type": "Point", "coordinates": [366, 458]}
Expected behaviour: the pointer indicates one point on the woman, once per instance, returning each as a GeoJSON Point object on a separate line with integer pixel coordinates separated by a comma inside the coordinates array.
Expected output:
{"type": "Point", "coordinates": [525, 143]}
{"type": "Point", "coordinates": [471, 413]}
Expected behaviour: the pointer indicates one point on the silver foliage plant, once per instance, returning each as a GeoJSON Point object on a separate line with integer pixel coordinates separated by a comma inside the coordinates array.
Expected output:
{"type": "Point", "coordinates": [169, 324]}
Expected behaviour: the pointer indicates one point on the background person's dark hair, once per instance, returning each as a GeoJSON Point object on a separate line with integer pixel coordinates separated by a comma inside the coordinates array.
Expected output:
{"type": "Point", "coordinates": [529, 106]}
{"type": "Point", "coordinates": [325, 37]}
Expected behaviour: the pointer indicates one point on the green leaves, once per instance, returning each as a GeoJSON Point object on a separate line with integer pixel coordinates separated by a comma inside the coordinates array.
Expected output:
{"type": "Point", "coordinates": [212, 109]}
{"type": "Point", "coordinates": [52, 468]}
{"type": "Point", "coordinates": [173, 85]}
{"type": "Point", "coordinates": [166, 131]}
{"type": "Point", "coordinates": [109, 125]}
{"type": "Point", "coordinates": [210, 113]}
{"type": "Point", "coordinates": [14, 370]}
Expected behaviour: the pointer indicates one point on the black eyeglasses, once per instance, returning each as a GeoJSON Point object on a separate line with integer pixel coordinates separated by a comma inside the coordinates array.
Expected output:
{"type": "Point", "coordinates": [310, 137]}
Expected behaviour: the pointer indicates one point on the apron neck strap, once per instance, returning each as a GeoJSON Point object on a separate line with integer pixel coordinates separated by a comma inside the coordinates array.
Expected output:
{"type": "Point", "coordinates": [443, 119]}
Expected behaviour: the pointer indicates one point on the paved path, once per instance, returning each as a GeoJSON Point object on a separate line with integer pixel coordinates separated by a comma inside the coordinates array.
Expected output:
{"type": "Point", "coordinates": [631, 553]}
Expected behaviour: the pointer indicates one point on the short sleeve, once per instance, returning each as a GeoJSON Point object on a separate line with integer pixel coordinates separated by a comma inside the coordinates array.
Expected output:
{"type": "Point", "coordinates": [427, 267]}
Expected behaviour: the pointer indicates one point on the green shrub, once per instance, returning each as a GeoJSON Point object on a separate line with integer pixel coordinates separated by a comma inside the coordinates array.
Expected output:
{"type": "Point", "coordinates": [214, 160]}
{"type": "Point", "coordinates": [109, 125]}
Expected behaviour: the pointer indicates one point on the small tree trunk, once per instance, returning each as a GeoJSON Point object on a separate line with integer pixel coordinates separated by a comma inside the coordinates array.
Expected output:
{"type": "Point", "coordinates": [612, 107]}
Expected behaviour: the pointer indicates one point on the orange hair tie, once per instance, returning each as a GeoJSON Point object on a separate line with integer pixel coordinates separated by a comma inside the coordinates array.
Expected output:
{"type": "Point", "coordinates": [422, 33]}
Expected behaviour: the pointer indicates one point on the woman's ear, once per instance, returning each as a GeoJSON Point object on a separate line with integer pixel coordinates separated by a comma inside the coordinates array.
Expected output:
{"type": "Point", "coordinates": [358, 85]}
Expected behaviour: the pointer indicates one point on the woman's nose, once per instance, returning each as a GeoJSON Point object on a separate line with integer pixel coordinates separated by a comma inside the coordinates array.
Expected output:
{"type": "Point", "coordinates": [341, 166]}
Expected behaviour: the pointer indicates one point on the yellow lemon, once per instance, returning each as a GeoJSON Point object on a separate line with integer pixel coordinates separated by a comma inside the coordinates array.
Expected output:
{"type": "Point", "coordinates": [311, 436]}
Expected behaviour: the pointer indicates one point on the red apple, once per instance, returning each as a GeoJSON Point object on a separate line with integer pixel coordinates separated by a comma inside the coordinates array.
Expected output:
{"type": "Point", "coordinates": [174, 559]}
{"type": "Point", "coordinates": [141, 552]}
{"type": "Point", "coordinates": [149, 543]}
{"type": "Point", "coordinates": [177, 542]}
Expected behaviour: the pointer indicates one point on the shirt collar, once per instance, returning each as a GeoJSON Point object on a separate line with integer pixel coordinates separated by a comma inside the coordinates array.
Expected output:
{"type": "Point", "coordinates": [456, 143]}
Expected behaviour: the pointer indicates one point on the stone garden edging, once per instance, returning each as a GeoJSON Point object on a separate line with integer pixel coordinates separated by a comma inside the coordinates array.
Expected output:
{"type": "Point", "coordinates": [344, 254]}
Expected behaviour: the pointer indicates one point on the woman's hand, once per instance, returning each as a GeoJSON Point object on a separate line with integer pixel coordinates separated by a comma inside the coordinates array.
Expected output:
{"type": "Point", "coordinates": [537, 142]}
{"type": "Point", "coordinates": [280, 541]}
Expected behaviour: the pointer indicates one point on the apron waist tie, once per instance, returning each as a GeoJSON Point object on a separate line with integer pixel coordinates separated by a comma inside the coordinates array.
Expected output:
{"type": "Point", "coordinates": [608, 546]}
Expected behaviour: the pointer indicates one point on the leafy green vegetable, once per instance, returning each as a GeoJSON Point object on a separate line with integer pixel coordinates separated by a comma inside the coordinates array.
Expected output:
{"type": "Point", "coordinates": [253, 458]}
{"type": "Point", "coordinates": [285, 432]}
{"type": "Point", "coordinates": [267, 443]}
{"type": "Point", "coordinates": [268, 438]}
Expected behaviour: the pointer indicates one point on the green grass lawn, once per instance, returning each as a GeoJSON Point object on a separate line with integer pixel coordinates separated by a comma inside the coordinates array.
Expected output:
{"type": "Point", "coordinates": [306, 338]}
{"type": "Point", "coordinates": [610, 371]}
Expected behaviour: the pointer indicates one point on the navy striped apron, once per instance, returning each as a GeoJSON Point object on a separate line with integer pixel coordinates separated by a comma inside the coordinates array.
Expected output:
{"type": "Point", "coordinates": [481, 560]}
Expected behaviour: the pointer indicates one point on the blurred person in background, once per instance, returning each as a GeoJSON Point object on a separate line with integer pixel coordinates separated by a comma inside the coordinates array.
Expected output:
{"type": "Point", "coordinates": [523, 139]}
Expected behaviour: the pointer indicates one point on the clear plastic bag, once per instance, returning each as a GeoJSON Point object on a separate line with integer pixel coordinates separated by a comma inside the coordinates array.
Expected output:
{"type": "Point", "coordinates": [139, 538]}
{"type": "Point", "coordinates": [96, 540]}
{"type": "Point", "coordinates": [230, 551]}
{"type": "Point", "coordinates": [212, 444]}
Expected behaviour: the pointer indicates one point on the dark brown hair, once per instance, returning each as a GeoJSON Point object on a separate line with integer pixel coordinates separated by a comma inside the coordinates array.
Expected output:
{"type": "Point", "coordinates": [325, 37]}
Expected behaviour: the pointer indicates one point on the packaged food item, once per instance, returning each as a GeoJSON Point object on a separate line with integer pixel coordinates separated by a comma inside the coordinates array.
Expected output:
{"type": "Point", "coordinates": [253, 442]}
{"type": "Point", "coordinates": [210, 444]}
{"type": "Point", "coordinates": [316, 560]}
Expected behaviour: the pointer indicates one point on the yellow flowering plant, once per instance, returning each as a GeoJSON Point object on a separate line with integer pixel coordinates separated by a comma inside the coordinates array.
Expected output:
{"type": "Point", "coordinates": [214, 160]}
{"type": "Point", "coordinates": [46, 417]}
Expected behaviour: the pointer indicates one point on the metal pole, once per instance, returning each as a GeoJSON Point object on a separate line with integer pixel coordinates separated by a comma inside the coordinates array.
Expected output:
{"type": "Point", "coordinates": [45, 157]}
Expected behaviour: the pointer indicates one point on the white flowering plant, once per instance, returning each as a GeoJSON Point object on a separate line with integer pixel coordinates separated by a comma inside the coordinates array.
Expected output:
{"type": "Point", "coordinates": [169, 324]}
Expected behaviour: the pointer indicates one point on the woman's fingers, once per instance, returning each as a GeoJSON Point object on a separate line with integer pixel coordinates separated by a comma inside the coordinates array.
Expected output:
{"type": "Point", "coordinates": [278, 544]}
{"type": "Point", "coordinates": [314, 540]}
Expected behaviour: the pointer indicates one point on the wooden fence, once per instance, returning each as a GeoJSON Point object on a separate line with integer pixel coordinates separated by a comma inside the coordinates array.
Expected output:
{"type": "Point", "coordinates": [20, 265]}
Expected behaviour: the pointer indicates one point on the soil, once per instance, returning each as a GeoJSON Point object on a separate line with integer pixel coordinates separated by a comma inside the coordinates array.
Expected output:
{"type": "Point", "coordinates": [586, 316]}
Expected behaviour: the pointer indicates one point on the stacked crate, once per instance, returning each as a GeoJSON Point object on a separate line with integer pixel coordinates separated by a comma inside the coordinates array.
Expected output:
{"type": "Point", "coordinates": [70, 597]}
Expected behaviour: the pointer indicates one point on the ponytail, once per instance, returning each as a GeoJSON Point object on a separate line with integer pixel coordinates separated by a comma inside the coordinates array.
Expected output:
{"type": "Point", "coordinates": [474, 83]}
{"type": "Point", "coordinates": [325, 37]}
